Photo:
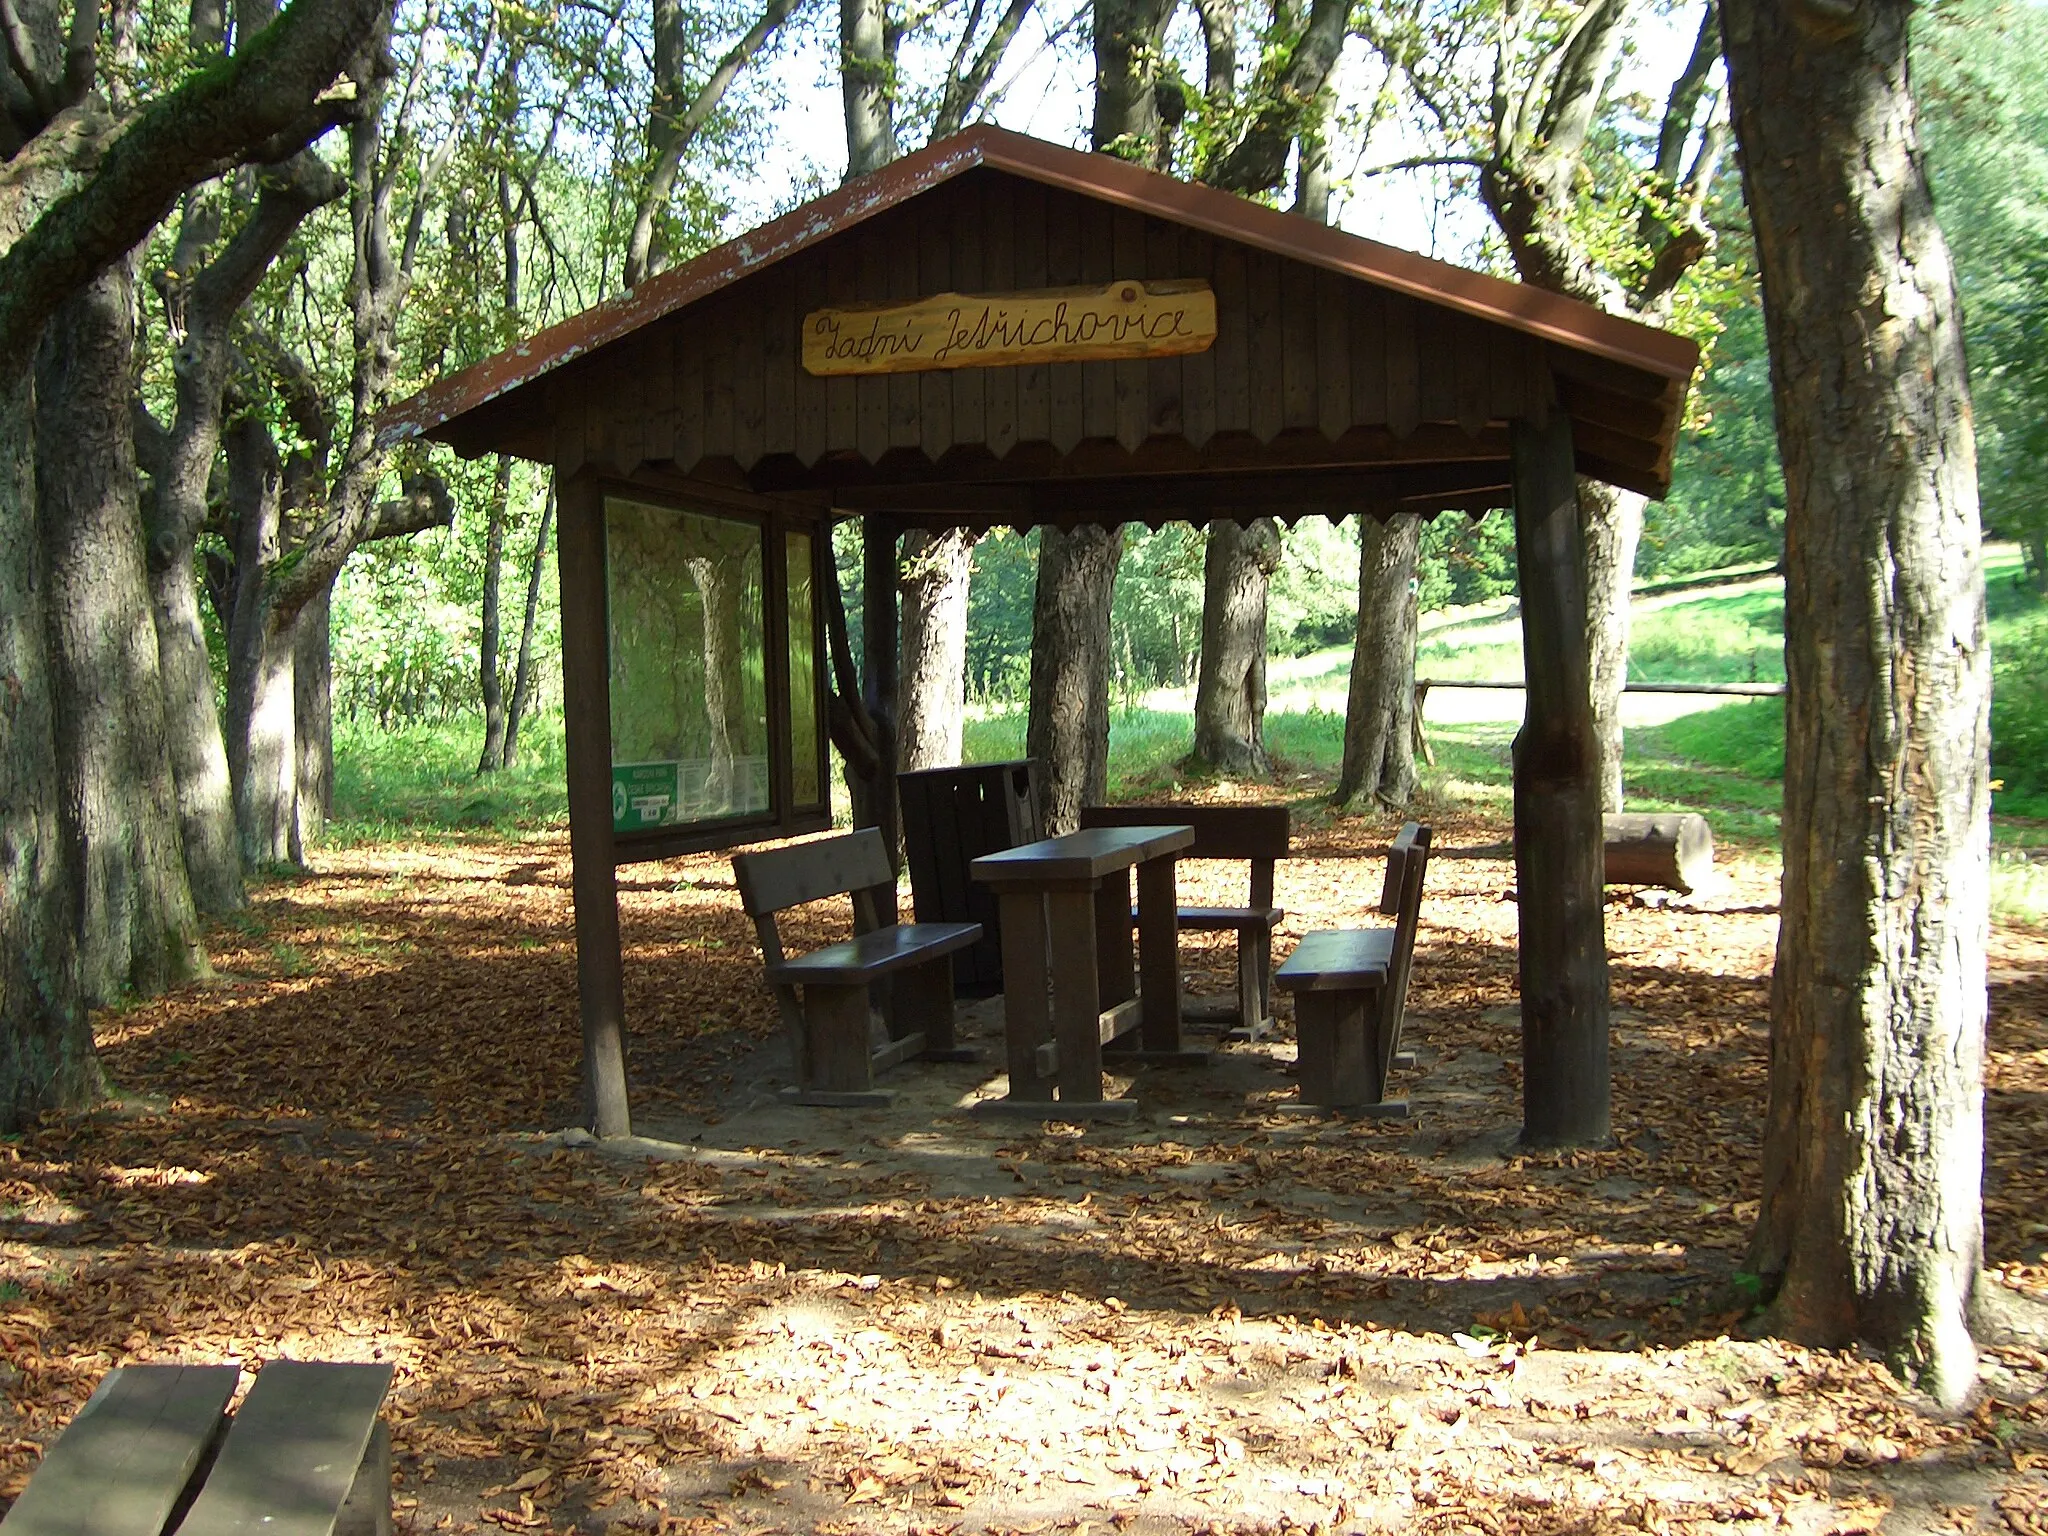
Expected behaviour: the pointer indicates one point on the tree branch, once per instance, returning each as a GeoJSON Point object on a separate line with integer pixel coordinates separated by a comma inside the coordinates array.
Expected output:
{"type": "Point", "coordinates": [270, 94]}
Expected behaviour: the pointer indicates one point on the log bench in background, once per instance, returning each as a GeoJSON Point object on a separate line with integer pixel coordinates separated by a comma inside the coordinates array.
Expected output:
{"type": "Point", "coordinates": [832, 1057]}
{"type": "Point", "coordinates": [153, 1451]}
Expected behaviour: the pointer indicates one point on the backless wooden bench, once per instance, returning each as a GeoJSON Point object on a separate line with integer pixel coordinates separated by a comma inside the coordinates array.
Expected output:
{"type": "Point", "coordinates": [1350, 991]}
{"type": "Point", "coordinates": [833, 1059]}
{"type": "Point", "coordinates": [153, 1451]}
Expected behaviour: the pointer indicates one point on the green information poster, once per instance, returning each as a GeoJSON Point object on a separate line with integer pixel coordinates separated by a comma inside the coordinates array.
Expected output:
{"type": "Point", "coordinates": [645, 795]}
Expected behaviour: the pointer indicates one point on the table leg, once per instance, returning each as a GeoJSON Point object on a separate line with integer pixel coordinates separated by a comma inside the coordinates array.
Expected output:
{"type": "Point", "coordinates": [1159, 951]}
{"type": "Point", "coordinates": [1114, 958]}
{"type": "Point", "coordinates": [1027, 1013]}
{"type": "Point", "coordinates": [1076, 994]}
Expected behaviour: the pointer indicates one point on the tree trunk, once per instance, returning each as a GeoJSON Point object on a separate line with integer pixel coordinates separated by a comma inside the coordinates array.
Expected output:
{"type": "Point", "coordinates": [522, 672]}
{"type": "Point", "coordinates": [262, 709]}
{"type": "Point", "coordinates": [1379, 713]}
{"type": "Point", "coordinates": [725, 700]}
{"type": "Point", "coordinates": [936, 569]}
{"type": "Point", "coordinates": [1127, 60]}
{"type": "Point", "coordinates": [46, 1054]}
{"type": "Point", "coordinates": [867, 71]}
{"type": "Point", "coordinates": [1068, 727]}
{"type": "Point", "coordinates": [137, 928]}
{"type": "Point", "coordinates": [493, 756]}
{"type": "Point", "coordinates": [1871, 1224]}
{"type": "Point", "coordinates": [1614, 527]}
{"type": "Point", "coordinates": [313, 715]}
{"type": "Point", "coordinates": [198, 753]}
{"type": "Point", "coordinates": [1567, 1087]}
{"type": "Point", "coordinates": [1230, 689]}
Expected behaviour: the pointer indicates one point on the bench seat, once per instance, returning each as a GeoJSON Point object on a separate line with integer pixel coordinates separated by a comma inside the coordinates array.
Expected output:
{"type": "Point", "coordinates": [1224, 919]}
{"type": "Point", "coordinates": [1338, 961]}
{"type": "Point", "coordinates": [869, 955]}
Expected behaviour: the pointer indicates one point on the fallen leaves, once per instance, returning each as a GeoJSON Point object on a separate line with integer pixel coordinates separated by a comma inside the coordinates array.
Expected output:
{"type": "Point", "coordinates": [1233, 1321]}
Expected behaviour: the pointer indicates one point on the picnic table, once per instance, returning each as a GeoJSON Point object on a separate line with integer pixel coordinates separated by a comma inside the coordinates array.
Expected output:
{"type": "Point", "coordinates": [1070, 984]}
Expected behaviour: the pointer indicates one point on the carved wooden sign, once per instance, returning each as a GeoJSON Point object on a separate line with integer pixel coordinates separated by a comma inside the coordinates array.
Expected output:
{"type": "Point", "coordinates": [994, 330]}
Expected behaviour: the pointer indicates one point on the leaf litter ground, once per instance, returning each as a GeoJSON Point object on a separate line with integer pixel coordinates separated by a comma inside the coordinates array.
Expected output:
{"type": "Point", "coordinates": [1215, 1318]}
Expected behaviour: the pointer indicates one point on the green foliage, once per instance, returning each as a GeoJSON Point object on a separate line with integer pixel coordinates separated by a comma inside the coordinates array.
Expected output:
{"type": "Point", "coordinates": [420, 780]}
{"type": "Point", "coordinates": [1984, 102]}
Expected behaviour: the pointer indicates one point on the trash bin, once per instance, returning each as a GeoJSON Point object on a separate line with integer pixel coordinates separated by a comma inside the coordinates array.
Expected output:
{"type": "Point", "coordinates": [951, 817]}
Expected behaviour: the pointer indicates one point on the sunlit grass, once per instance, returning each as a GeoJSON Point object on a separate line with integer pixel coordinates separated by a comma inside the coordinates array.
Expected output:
{"type": "Point", "coordinates": [423, 780]}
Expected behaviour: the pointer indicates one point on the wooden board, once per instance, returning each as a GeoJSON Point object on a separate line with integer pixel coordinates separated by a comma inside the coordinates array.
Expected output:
{"type": "Point", "coordinates": [1079, 856]}
{"type": "Point", "coordinates": [123, 1463]}
{"type": "Point", "coordinates": [291, 1455]}
{"type": "Point", "coordinates": [1125, 318]}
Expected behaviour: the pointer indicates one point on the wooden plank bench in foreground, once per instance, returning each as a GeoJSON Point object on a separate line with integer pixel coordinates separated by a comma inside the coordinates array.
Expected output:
{"type": "Point", "coordinates": [1350, 991]}
{"type": "Point", "coordinates": [834, 1060]}
{"type": "Point", "coordinates": [153, 1451]}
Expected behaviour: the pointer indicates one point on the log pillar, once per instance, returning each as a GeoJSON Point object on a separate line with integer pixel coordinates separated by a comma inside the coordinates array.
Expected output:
{"type": "Point", "coordinates": [1558, 834]}
{"type": "Point", "coordinates": [587, 710]}
{"type": "Point", "coordinates": [879, 667]}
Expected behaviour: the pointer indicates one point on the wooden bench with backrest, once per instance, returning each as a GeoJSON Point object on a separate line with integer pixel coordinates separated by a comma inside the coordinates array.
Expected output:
{"type": "Point", "coordinates": [1256, 835]}
{"type": "Point", "coordinates": [825, 996]}
{"type": "Point", "coordinates": [1350, 990]}
{"type": "Point", "coordinates": [154, 1451]}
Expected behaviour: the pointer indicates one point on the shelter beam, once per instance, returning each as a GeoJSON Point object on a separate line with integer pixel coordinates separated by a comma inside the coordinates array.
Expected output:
{"type": "Point", "coordinates": [586, 694]}
{"type": "Point", "coordinates": [879, 651]}
{"type": "Point", "coordinates": [1558, 835]}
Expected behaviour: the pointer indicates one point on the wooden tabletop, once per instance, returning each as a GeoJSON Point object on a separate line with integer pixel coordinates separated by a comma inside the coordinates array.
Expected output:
{"type": "Point", "coordinates": [1085, 855]}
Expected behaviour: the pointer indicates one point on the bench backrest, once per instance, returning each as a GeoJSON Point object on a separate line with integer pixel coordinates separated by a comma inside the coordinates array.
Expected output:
{"type": "Point", "coordinates": [1255, 833]}
{"type": "Point", "coordinates": [852, 864]}
{"type": "Point", "coordinates": [1407, 861]}
{"type": "Point", "coordinates": [782, 878]}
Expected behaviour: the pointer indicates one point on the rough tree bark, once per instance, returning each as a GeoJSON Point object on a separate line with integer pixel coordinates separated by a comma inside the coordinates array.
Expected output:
{"type": "Point", "coordinates": [489, 685]}
{"type": "Point", "coordinates": [1239, 561]}
{"type": "Point", "coordinates": [1379, 714]}
{"type": "Point", "coordinates": [1530, 178]}
{"type": "Point", "coordinates": [201, 298]}
{"type": "Point", "coordinates": [523, 669]}
{"type": "Point", "coordinates": [313, 714]}
{"type": "Point", "coordinates": [868, 40]}
{"type": "Point", "coordinates": [137, 928]}
{"type": "Point", "coordinates": [1068, 726]}
{"type": "Point", "coordinates": [935, 574]}
{"type": "Point", "coordinates": [672, 122]}
{"type": "Point", "coordinates": [1128, 53]}
{"type": "Point", "coordinates": [1871, 1221]}
{"type": "Point", "coordinates": [1230, 687]}
{"type": "Point", "coordinates": [79, 192]}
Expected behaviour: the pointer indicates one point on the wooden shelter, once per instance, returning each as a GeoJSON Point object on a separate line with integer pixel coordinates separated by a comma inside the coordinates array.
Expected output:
{"type": "Point", "coordinates": [1001, 332]}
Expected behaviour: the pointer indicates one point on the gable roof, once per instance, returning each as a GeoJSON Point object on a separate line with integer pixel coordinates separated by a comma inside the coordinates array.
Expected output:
{"type": "Point", "coordinates": [1572, 330]}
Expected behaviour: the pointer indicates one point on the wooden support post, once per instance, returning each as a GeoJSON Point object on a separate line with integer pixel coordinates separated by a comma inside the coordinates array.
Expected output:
{"type": "Point", "coordinates": [587, 711]}
{"type": "Point", "coordinates": [1027, 1010]}
{"type": "Point", "coordinates": [1076, 997]}
{"type": "Point", "coordinates": [879, 664]}
{"type": "Point", "coordinates": [1558, 842]}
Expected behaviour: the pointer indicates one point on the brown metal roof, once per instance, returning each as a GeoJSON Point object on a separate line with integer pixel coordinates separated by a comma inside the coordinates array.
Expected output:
{"type": "Point", "coordinates": [1565, 323]}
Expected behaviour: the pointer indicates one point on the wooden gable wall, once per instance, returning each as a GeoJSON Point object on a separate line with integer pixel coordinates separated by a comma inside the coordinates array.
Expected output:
{"type": "Point", "coordinates": [719, 390]}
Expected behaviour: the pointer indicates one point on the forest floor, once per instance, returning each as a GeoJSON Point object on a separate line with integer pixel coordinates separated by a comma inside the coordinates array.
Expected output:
{"type": "Point", "coordinates": [1213, 1318]}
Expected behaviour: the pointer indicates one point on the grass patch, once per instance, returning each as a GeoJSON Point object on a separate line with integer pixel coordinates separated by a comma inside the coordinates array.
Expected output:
{"type": "Point", "coordinates": [422, 779]}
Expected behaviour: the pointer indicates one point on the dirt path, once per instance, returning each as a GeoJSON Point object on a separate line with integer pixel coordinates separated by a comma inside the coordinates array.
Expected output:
{"type": "Point", "coordinates": [762, 1318]}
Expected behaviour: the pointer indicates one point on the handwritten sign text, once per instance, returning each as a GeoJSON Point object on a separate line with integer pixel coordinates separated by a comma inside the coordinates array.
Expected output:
{"type": "Point", "coordinates": [1051, 325]}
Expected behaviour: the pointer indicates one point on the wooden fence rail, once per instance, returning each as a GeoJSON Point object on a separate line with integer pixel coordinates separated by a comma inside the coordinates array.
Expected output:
{"type": "Point", "coordinates": [1734, 690]}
